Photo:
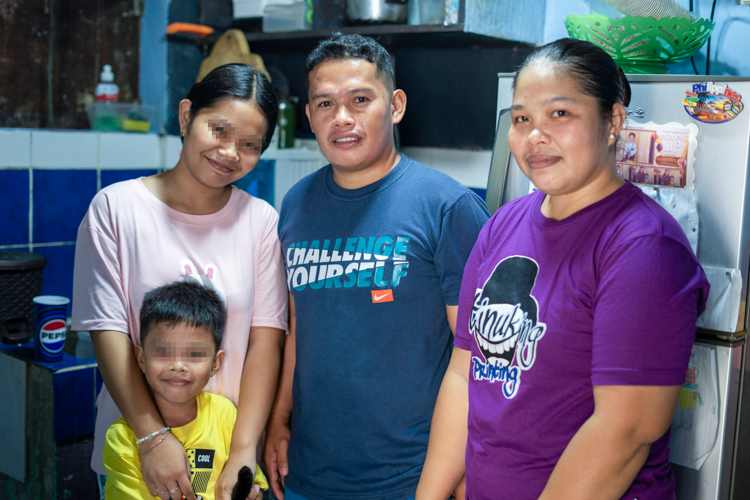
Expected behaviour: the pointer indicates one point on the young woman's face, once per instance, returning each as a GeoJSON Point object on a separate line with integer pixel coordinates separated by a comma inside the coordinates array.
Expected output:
{"type": "Point", "coordinates": [223, 143]}
{"type": "Point", "coordinates": [557, 136]}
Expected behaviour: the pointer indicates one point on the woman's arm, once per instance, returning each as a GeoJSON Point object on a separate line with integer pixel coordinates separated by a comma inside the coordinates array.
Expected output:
{"type": "Point", "coordinates": [166, 466]}
{"type": "Point", "coordinates": [444, 466]}
{"type": "Point", "coordinates": [257, 388]}
{"type": "Point", "coordinates": [608, 451]}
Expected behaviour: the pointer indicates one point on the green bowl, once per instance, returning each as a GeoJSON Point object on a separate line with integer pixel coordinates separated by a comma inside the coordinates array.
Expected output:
{"type": "Point", "coordinates": [642, 44]}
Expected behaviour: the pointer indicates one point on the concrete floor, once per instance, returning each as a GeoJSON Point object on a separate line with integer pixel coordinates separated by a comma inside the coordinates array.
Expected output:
{"type": "Point", "coordinates": [75, 479]}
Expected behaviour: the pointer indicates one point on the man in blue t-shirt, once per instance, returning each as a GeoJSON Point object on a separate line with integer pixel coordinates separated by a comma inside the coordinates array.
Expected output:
{"type": "Point", "coordinates": [374, 246]}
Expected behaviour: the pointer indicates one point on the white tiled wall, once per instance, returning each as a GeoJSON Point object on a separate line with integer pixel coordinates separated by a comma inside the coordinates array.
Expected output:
{"type": "Point", "coordinates": [470, 168]}
{"type": "Point", "coordinates": [50, 149]}
{"type": "Point", "coordinates": [120, 150]}
{"type": "Point", "coordinates": [15, 148]}
{"type": "Point", "coordinates": [21, 148]}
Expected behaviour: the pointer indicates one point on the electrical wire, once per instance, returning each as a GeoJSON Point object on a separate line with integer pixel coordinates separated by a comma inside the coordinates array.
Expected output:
{"type": "Point", "coordinates": [708, 46]}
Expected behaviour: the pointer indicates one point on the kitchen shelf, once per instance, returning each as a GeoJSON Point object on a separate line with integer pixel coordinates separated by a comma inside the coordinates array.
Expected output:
{"type": "Point", "coordinates": [392, 36]}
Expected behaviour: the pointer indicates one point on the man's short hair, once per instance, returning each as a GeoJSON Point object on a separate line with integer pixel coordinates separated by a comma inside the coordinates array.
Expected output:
{"type": "Point", "coordinates": [184, 303]}
{"type": "Point", "coordinates": [341, 46]}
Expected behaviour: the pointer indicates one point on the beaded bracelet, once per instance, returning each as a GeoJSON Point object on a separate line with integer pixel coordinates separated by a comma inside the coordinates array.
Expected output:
{"type": "Point", "coordinates": [156, 433]}
{"type": "Point", "coordinates": [157, 443]}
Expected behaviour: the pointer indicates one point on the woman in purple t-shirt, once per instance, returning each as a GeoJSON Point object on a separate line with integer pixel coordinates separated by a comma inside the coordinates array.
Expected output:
{"type": "Point", "coordinates": [567, 374]}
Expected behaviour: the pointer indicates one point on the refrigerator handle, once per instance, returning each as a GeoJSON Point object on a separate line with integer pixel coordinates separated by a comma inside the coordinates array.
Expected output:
{"type": "Point", "coordinates": [499, 163]}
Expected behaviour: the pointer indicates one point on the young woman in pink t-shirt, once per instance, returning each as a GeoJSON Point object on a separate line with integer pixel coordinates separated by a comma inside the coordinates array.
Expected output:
{"type": "Point", "coordinates": [189, 223]}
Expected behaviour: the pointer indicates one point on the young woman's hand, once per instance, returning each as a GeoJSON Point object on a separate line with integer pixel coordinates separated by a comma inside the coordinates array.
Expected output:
{"type": "Point", "coordinates": [229, 476]}
{"type": "Point", "coordinates": [166, 468]}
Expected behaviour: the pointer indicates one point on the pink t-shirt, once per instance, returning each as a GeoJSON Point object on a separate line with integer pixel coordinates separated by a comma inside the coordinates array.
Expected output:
{"type": "Point", "coordinates": [130, 242]}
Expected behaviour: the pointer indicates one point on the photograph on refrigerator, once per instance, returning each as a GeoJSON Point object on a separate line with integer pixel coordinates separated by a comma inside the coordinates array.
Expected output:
{"type": "Point", "coordinates": [657, 155]}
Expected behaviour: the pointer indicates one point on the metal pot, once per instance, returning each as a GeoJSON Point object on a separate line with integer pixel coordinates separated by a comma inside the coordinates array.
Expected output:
{"type": "Point", "coordinates": [389, 11]}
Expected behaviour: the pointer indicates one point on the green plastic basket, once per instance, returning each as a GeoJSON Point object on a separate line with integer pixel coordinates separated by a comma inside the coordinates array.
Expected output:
{"type": "Point", "coordinates": [642, 44]}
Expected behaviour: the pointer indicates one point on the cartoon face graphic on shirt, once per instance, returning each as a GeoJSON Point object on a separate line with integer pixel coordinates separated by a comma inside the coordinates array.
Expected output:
{"type": "Point", "coordinates": [209, 280]}
{"type": "Point", "coordinates": [505, 323]}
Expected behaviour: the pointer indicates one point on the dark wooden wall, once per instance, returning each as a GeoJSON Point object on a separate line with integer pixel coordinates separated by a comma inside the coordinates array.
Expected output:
{"type": "Point", "coordinates": [51, 54]}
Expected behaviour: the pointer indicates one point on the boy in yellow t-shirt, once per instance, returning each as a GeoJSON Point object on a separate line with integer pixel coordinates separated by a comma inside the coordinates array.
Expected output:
{"type": "Point", "coordinates": [181, 327]}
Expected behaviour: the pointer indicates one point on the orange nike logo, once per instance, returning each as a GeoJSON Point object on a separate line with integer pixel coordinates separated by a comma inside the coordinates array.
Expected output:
{"type": "Point", "coordinates": [381, 296]}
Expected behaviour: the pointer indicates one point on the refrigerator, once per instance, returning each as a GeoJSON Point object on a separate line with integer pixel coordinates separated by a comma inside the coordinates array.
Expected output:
{"type": "Point", "coordinates": [715, 182]}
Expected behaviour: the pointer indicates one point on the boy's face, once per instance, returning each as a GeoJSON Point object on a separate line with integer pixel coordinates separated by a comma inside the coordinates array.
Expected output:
{"type": "Point", "coordinates": [631, 138]}
{"type": "Point", "coordinates": [178, 361]}
{"type": "Point", "coordinates": [352, 113]}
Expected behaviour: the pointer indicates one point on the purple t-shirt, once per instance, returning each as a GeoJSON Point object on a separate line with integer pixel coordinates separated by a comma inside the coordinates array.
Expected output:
{"type": "Point", "coordinates": [548, 309]}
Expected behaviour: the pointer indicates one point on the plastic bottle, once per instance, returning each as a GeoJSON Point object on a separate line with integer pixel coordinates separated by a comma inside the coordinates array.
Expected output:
{"type": "Point", "coordinates": [105, 118]}
{"type": "Point", "coordinates": [107, 90]}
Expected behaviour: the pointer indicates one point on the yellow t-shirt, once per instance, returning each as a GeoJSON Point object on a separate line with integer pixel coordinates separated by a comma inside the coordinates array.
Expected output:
{"type": "Point", "coordinates": [206, 440]}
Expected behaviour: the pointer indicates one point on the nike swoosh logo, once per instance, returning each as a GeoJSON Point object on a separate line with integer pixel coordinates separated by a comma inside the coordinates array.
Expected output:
{"type": "Point", "coordinates": [378, 297]}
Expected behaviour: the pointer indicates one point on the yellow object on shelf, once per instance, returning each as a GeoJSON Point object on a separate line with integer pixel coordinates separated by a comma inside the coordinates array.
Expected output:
{"type": "Point", "coordinates": [129, 125]}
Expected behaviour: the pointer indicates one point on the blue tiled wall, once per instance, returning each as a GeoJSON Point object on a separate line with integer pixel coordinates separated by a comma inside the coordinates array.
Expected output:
{"type": "Point", "coordinates": [14, 207]}
{"type": "Point", "coordinates": [58, 274]}
{"type": "Point", "coordinates": [59, 199]}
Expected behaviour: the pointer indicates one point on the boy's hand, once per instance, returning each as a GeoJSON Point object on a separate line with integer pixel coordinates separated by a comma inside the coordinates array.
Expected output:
{"type": "Point", "coordinates": [166, 467]}
{"type": "Point", "coordinates": [275, 455]}
{"type": "Point", "coordinates": [228, 478]}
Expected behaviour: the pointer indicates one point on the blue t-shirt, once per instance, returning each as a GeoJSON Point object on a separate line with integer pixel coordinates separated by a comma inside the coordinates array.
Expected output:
{"type": "Point", "coordinates": [371, 271]}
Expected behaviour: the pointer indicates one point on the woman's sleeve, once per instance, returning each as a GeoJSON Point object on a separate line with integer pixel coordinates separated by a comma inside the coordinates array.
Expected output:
{"type": "Point", "coordinates": [270, 278]}
{"type": "Point", "coordinates": [651, 290]}
{"type": "Point", "coordinates": [99, 300]}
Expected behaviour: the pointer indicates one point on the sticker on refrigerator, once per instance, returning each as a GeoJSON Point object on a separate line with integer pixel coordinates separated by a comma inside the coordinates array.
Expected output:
{"type": "Point", "coordinates": [711, 102]}
{"type": "Point", "coordinates": [658, 155]}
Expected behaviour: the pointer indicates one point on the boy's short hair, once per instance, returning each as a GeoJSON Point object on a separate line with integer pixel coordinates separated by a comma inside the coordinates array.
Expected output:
{"type": "Point", "coordinates": [631, 133]}
{"type": "Point", "coordinates": [185, 303]}
{"type": "Point", "coordinates": [341, 46]}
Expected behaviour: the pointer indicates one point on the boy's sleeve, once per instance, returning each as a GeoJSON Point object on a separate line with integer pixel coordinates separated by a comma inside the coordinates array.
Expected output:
{"type": "Point", "coordinates": [123, 466]}
{"type": "Point", "coordinates": [459, 230]}
{"type": "Point", "coordinates": [270, 278]}
{"type": "Point", "coordinates": [230, 417]}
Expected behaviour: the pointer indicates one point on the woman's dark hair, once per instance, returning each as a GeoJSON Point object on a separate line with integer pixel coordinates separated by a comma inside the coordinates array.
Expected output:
{"type": "Point", "coordinates": [183, 303]}
{"type": "Point", "coordinates": [341, 46]}
{"type": "Point", "coordinates": [236, 81]}
{"type": "Point", "coordinates": [594, 70]}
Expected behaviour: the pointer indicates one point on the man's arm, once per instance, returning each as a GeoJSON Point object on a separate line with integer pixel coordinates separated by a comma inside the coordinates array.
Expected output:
{"type": "Point", "coordinates": [257, 389]}
{"type": "Point", "coordinates": [608, 451]}
{"type": "Point", "coordinates": [166, 466]}
{"type": "Point", "coordinates": [452, 313]}
{"type": "Point", "coordinates": [444, 466]}
{"type": "Point", "coordinates": [277, 430]}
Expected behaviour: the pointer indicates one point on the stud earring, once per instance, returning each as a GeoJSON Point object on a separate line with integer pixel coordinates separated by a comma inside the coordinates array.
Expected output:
{"type": "Point", "coordinates": [182, 132]}
{"type": "Point", "coordinates": [611, 136]}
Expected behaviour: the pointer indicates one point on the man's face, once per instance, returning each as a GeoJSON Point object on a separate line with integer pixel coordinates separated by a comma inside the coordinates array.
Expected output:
{"type": "Point", "coordinates": [352, 113]}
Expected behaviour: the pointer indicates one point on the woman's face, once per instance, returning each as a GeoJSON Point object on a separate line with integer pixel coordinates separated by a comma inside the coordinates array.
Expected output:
{"type": "Point", "coordinates": [223, 143]}
{"type": "Point", "coordinates": [557, 136]}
